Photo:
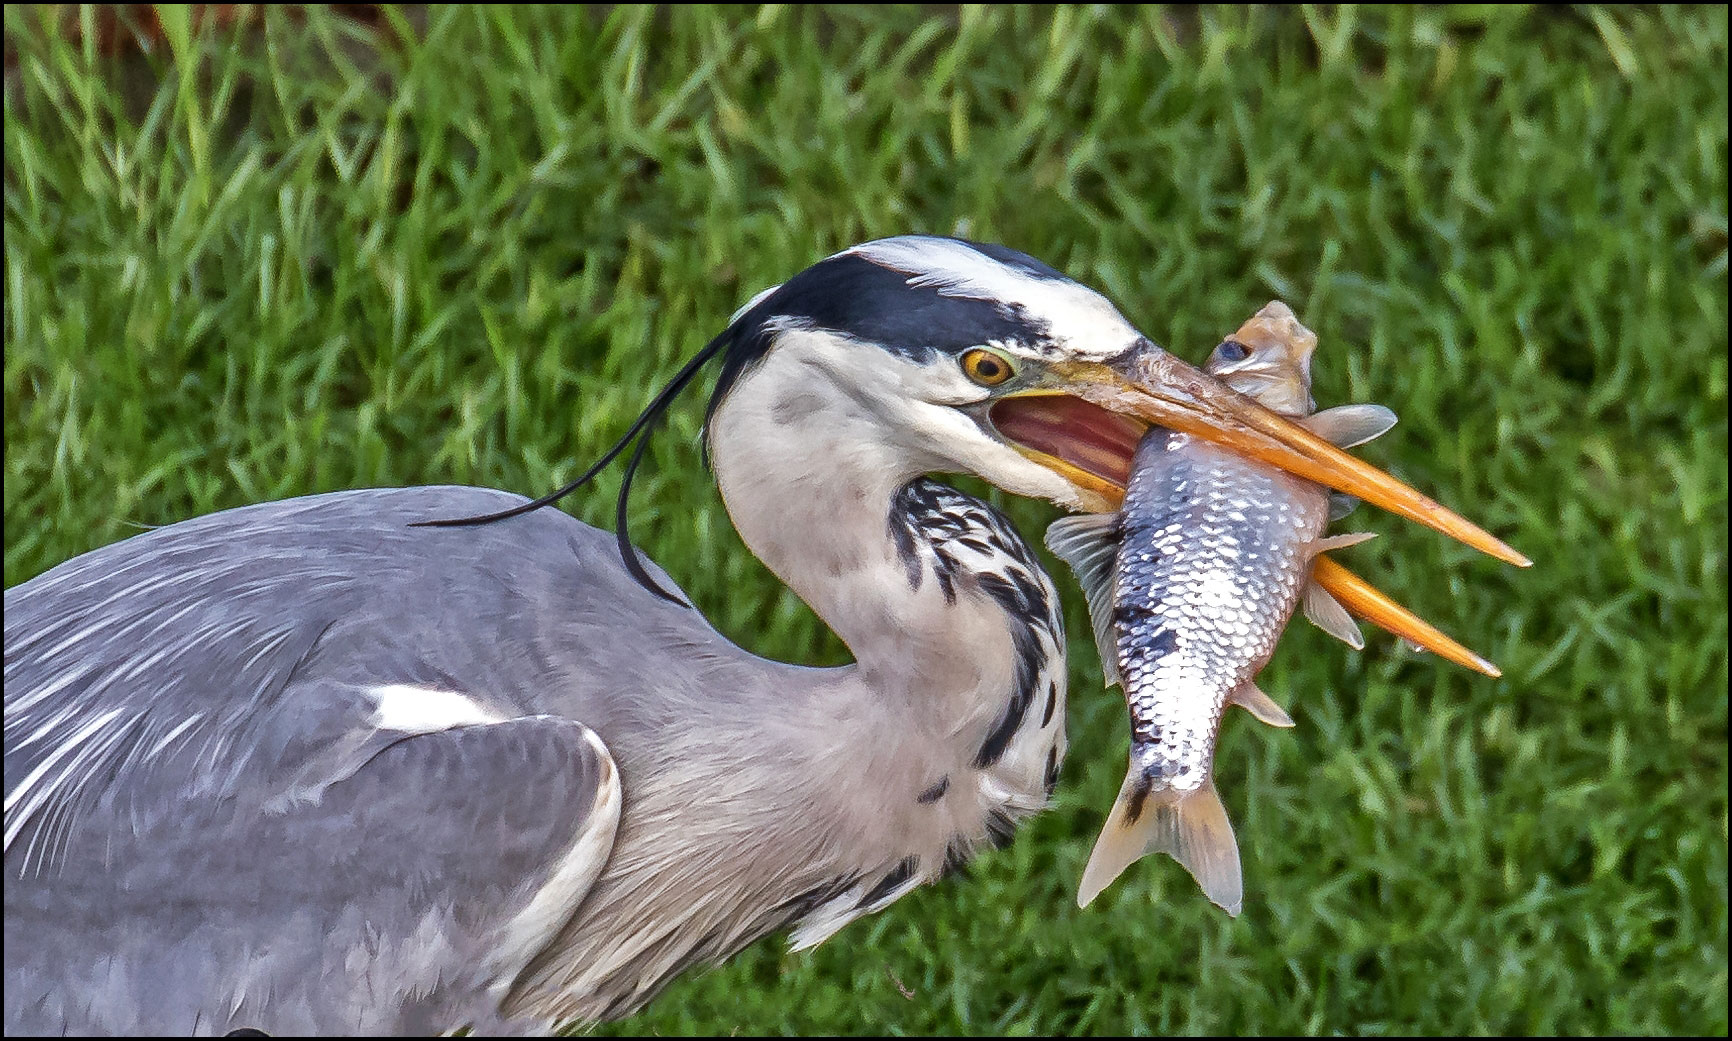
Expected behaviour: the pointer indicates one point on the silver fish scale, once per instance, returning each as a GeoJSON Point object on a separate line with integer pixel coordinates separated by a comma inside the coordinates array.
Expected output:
{"type": "Point", "coordinates": [1214, 554]}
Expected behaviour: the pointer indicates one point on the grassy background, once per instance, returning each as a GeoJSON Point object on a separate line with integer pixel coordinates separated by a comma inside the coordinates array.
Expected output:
{"type": "Point", "coordinates": [302, 254]}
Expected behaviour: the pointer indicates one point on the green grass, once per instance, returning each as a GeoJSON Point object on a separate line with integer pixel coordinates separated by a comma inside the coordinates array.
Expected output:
{"type": "Point", "coordinates": [308, 255]}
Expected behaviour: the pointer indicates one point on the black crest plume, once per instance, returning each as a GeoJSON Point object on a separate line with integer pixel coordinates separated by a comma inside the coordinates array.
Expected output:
{"type": "Point", "coordinates": [743, 342]}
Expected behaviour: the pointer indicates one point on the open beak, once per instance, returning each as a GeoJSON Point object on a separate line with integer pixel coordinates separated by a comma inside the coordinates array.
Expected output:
{"type": "Point", "coordinates": [1087, 419]}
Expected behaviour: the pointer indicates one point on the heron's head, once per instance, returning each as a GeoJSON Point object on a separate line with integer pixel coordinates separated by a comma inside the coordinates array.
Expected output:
{"type": "Point", "coordinates": [963, 357]}
{"type": "Point", "coordinates": [947, 357]}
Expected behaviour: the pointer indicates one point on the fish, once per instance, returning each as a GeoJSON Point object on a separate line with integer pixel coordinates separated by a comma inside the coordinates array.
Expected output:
{"type": "Point", "coordinates": [1190, 584]}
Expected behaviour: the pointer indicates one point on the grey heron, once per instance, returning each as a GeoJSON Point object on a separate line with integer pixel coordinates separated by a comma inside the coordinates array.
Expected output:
{"type": "Point", "coordinates": [316, 766]}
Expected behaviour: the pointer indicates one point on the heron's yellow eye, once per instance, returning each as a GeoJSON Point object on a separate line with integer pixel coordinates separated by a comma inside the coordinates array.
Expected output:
{"type": "Point", "coordinates": [986, 368]}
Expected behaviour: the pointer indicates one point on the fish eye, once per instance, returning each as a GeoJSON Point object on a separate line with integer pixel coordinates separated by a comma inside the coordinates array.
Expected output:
{"type": "Point", "coordinates": [987, 368]}
{"type": "Point", "coordinates": [1232, 350]}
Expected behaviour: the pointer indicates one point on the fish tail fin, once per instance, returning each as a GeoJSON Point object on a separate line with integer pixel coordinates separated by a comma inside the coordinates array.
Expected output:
{"type": "Point", "coordinates": [1191, 827]}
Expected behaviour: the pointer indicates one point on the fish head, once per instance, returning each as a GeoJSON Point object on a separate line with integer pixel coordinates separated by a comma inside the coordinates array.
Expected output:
{"type": "Point", "coordinates": [1269, 360]}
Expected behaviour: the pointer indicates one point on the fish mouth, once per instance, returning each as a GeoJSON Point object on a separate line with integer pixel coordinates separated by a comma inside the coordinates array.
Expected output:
{"type": "Point", "coordinates": [1085, 420]}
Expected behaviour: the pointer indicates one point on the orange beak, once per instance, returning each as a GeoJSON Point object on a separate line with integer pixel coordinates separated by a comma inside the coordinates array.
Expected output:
{"type": "Point", "coordinates": [1086, 421]}
{"type": "Point", "coordinates": [1159, 389]}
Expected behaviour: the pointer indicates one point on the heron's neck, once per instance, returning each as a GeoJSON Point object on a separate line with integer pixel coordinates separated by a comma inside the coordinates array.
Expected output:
{"type": "Point", "coordinates": [845, 520]}
{"type": "Point", "coordinates": [811, 496]}
{"type": "Point", "coordinates": [881, 775]}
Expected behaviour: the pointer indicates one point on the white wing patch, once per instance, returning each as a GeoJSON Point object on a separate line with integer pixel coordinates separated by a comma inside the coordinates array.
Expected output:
{"type": "Point", "coordinates": [426, 710]}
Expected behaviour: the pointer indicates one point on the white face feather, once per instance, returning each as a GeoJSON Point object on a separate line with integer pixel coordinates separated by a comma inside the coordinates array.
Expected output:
{"type": "Point", "coordinates": [914, 408]}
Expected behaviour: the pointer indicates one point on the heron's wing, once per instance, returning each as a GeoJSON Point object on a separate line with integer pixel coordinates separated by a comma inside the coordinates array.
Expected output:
{"type": "Point", "coordinates": [406, 895]}
{"type": "Point", "coordinates": [294, 745]}
{"type": "Point", "coordinates": [237, 655]}
{"type": "Point", "coordinates": [470, 846]}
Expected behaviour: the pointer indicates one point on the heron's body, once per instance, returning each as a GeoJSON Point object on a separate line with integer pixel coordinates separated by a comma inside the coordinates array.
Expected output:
{"type": "Point", "coordinates": [382, 706]}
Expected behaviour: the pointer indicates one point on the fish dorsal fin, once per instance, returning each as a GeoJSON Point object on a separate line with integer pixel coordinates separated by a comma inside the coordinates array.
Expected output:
{"type": "Point", "coordinates": [1251, 698]}
{"type": "Point", "coordinates": [1346, 426]}
{"type": "Point", "coordinates": [1340, 505]}
{"type": "Point", "coordinates": [1327, 614]}
{"type": "Point", "coordinates": [1351, 538]}
{"type": "Point", "coordinates": [1089, 543]}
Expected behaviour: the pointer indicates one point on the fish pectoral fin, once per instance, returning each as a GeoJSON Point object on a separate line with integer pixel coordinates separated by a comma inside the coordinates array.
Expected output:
{"type": "Point", "coordinates": [1089, 543]}
{"type": "Point", "coordinates": [1327, 614]}
{"type": "Point", "coordinates": [1352, 538]}
{"type": "Point", "coordinates": [1348, 426]}
{"type": "Point", "coordinates": [1340, 505]}
{"type": "Point", "coordinates": [1251, 698]}
{"type": "Point", "coordinates": [1192, 828]}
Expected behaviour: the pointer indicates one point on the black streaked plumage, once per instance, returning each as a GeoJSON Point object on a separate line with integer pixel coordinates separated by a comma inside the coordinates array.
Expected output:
{"type": "Point", "coordinates": [934, 793]}
{"type": "Point", "coordinates": [935, 527]}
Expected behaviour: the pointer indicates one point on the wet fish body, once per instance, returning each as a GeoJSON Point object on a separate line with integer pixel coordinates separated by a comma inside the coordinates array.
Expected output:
{"type": "Point", "coordinates": [1190, 586]}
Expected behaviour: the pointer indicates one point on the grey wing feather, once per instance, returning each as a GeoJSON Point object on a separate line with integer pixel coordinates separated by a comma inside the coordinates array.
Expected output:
{"type": "Point", "coordinates": [168, 654]}
{"type": "Point", "coordinates": [403, 880]}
